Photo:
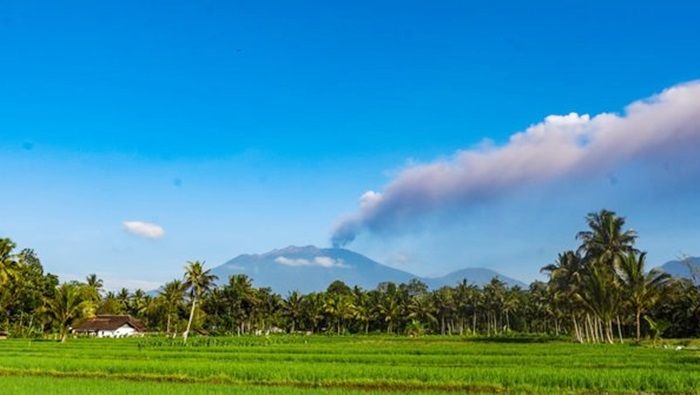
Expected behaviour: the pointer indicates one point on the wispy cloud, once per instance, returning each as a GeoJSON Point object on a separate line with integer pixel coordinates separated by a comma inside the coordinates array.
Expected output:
{"type": "Point", "coordinates": [321, 261]}
{"type": "Point", "coordinates": [144, 229]}
{"type": "Point", "coordinates": [558, 147]}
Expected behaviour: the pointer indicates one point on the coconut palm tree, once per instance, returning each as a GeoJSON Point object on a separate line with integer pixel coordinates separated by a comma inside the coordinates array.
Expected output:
{"type": "Point", "coordinates": [444, 302]}
{"type": "Point", "coordinates": [494, 295]}
{"type": "Point", "coordinates": [123, 298]}
{"type": "Point", "coordinates": [138, 303]}
{"type": "Point", "coordinates": [606, 242]}
{"type": "Point", "coordinates": [293, 308]}
{"type": "Point", "coordinates": [642, 289]}
{"type": "Point", "coordinates": [243, 299]}
{"type": "Point", "coordinates": [198, 281]}
{"type": "Point", "coordinates": [360, 308]}
{"type": "Point", "coordinates": [603, 246]}
{"type": "Point", "coordinates": [339, 307]}
{"type": "Point", "coordinates": [389, 311]}
{"type": "Point", "coordinates": [8, 263]}
{"type": "Point", "coordinates": [69, 303]}
{"type": "Point", "coordinates": [172, 295]}
{"type": "Point", "coordinates": [565, 282]}
{"type": "Point", "coordinates": [313, 309]}
{"type": "Point", "coordinates": [599, 294]}
{"type": "Point", "coordinates": [95, 284]}
{"type": "Point", "coordinates": [422, 309]}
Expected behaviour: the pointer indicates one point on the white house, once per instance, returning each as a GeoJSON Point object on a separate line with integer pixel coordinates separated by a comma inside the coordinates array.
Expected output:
{"type": "Point", "coordinates": [111, 326]}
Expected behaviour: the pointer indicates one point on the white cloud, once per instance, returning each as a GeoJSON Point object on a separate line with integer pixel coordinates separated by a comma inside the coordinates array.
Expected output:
{"type": "Point", "coordinates": [558, 147]}
{"type": "Point", "coordinates": [321, 261]}
{"type": "Point", "coordinates": [144, 229]}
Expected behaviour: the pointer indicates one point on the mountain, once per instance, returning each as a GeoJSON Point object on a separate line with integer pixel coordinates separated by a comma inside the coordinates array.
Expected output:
{"type": "Point", "coordinates": [475, 275]}
{"type": "Point", "coordinates": [309, 269]}
{"type": "Point", "coordinates": [683, 269]}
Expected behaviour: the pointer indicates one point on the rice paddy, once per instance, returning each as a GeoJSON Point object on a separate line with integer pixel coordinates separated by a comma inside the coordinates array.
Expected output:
{"type": "Point", "coordinates": [342, 365]}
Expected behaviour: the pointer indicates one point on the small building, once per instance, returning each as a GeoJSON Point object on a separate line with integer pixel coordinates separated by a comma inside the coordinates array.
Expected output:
{"type": "Point", "coordinates": [110, 326]}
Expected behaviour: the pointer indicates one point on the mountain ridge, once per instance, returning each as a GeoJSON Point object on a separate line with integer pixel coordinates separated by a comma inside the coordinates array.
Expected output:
{"type": "Point", "coordinates": [683, 269]}
{"type": "Point", "coordinates": [309, 269]}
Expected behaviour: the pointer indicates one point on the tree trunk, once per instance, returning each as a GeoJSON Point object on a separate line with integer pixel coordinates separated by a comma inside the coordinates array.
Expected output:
{"type": "Point", "coordinates": [189, 322]}
{"type": "Point", "coordinates": [637, 321]}
{"type": "Point", "coordinates": [576, 332]}
{"type": "Point", "coordinates": [619, 330]}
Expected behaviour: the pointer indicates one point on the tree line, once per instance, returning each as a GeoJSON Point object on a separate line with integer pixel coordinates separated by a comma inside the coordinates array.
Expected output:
{"type": "Point", "coordinates": [600, 292]}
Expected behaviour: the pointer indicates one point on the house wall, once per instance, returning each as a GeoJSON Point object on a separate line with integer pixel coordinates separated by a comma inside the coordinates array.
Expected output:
{"type": "Point", "coordinates": [123, 331]}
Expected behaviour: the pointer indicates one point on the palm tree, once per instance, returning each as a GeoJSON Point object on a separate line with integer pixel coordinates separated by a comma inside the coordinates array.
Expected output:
{"type": "Point", "coordinates": [313, 309]}
{"type": "Point", "coordinates": [389, 311]}
{"type": "Point", "coordinates": [606, 242]}
{"type": "Point", "coordinates": [138, 303]}
{"type": "Point", "coordinates": [242, 298]}
{"type": "Point", "coordinates": [8, 264]}
{"type": "Point", "coordinates": [421, 309]}
{"type": "Point", "coordinates": [339, 307]}
{"type": "Point", "coordinates": [600, 295]}
{"type": "Point", "coordinates": [565, 282]}
{"type": "Point", "coordinates": [70, 303]}
{"type": "Point", "coordinates": [293, 308]}
{"type": "Point", "coordinates": [603, 247]}
{"type": "Point", "coordinates": [198, 281]}
{"type": "Point", "coordinates": [360, 308]}
{"type": "Point", "coordinates": [642, 289]}
{"type": "Point", "coordinates": [445, 307]}
{"type": "Point", "coordinates": [95, 284]}
{"type": "Point", "coordinates": [494, 296]}
{"type": "Point", "coordinates": [123, 299]}
{"type": "Point", "coordinates": [172, 295]}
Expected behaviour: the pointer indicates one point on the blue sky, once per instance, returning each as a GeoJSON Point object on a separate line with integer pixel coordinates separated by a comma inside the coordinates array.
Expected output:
{"type": "Point", "coordinates": [244, 126]}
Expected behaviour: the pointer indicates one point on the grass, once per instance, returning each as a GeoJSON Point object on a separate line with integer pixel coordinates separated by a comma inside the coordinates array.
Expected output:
{"type": "Point", "coordinates": [342, 365]}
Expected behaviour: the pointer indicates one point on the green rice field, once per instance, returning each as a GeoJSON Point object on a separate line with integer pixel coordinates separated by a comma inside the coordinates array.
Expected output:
{"type": "Point", "coordinates": [342, 365]}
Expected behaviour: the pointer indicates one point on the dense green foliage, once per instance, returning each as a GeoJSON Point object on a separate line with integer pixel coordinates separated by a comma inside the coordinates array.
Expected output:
{"type": "Point", "coordinates": [602, 292]}
{"type": "Point", "coordinates": [355, 363]}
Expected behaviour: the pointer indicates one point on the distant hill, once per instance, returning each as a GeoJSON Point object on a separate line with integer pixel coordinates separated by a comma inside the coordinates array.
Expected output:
{"type": "Point", "coordinates": [475, 275]}
{"type": "Point", "coordinates": [309, 269]}
{"type": "Point", "coordinates": [683, 269]}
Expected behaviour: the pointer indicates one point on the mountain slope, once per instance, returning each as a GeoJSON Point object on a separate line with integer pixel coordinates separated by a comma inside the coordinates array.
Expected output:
{"type": "Point", "coordinates": [476, 275]}
{"type": "Point", "coordinates": [683, 269]}
{"type": "Point", "coordinates": [309, 269]}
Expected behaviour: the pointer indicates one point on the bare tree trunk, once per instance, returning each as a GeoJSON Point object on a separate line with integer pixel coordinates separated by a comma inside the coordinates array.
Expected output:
{"type": "Point", "coordinates": [189, 322]}
{"type": "Point", "coordinates": [593, 330]}
{"type": "Point", "coordinates": [637, 321]}
{"type": "Point", "coordinates": [619, 330]}
{"type": "Point", "coordinates": [576, 332]}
